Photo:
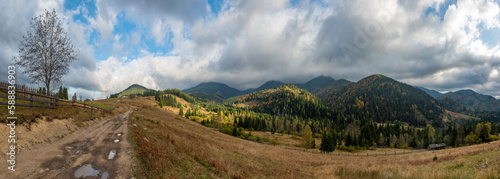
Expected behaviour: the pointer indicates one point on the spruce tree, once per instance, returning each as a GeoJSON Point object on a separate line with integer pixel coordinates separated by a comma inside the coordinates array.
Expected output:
{"type": "Point", "coordinates": [328, 143]}
{"type": "Point", "coordinates": [60, 93]}
{"type": "Point", "coordinates": [65, 91]}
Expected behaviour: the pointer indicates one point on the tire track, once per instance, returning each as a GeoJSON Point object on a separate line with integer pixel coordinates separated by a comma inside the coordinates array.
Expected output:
{"type": "Point", "coordinates": [83, 154]}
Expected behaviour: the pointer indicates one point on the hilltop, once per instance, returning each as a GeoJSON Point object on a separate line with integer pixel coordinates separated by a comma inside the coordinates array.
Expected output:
{"type": "Point", "coordinates": [216, 89]}
{"type": "Point", "coordinates": [284, 100]}
{"type": "Point", "coordinates": [383, 99]}
{"type": "Point", "coordinates": [268, 85]}
{"type": "Point", "coordinates": [317, 83]}
{"type": "Point", "coordinates": [473, 100]}
{"type": "Point", "coordinates": [433, 93]}
{"type": "Point", "coordinates": [134, 89]}
{"type": "Point", "coordinates": [218, 92]}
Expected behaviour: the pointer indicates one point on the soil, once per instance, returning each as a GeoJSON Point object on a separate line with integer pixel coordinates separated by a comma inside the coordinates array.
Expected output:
{"type": "Point", "coordinates": [83, 154]}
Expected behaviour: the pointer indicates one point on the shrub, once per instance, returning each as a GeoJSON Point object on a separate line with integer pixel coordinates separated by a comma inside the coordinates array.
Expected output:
{"type": "Point", "coordinates": [472, 138]}
{"type": "Point", "coordinates": [256, 138]}
{"type": "Point", "coordinates": [227, 130]}
{"type": "Point", "coordinates": [244, 135]}
{"type": "Point", "coordinates": [295, 137]}
{"type": "Point", "coordinates": [435, 158]}
{"type": "Point", "coordinates": [494, 137]}
{"type": "Point", "coordinates": [349, 149]}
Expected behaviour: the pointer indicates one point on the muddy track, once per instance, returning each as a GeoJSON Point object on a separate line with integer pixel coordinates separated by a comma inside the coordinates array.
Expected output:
{"type": "Point", "coordinates": [98, 151]}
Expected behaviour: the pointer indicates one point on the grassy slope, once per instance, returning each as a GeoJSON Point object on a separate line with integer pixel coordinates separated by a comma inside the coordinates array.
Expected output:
{"type": "Point", "coordinates": [170, 146]}
{"type": "Point", "coordinates": [134, 89]}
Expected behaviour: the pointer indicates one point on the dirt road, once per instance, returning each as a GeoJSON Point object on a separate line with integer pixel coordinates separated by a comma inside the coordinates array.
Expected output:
{"type": "Point", "coordinates": [98, 151]}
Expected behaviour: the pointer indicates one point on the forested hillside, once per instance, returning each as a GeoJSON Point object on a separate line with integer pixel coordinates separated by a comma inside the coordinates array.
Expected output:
{"type": "Point", "coordinates": [220, 90]}
{"type": "Point", "coordinates": [473, 100]}
{"type": "Point", "coordinates": [285, 100]}
{"type": "Point", "coordinates": [383, 99]}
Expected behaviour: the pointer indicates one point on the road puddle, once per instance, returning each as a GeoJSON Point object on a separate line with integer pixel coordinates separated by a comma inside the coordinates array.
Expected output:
{"type": "Point", "coordinates": [86, 171]}
{"type": "Point", "coordinates": [116, 141]}
{"type": "Point", "coordinates": [112, 154]}
{"type": "Point", "coordinates": [77, 148]}
{"type": "Point", "coordinates": [105, 175]}
{"type": "Point", "coordinates": [119, 134]}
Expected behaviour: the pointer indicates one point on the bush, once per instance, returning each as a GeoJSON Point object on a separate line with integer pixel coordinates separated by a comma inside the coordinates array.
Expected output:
{"type": "Point", "coordinates": [227, 130]}
{"type": "Point", "coordinates": [244, 135]}
{"type": "Point", "coordinates": [472, 139]}
{"type": "Point", "coordinates": [256, 138]}
{"type": "Point", "coordinates": [359, 148]}
{"type": "Point", "coordinates": [265, 139]}
{"type": "Point", "coordinates": [435, 158]}
{"type": "Point", "coordinates": [494, 137]}
{"type": "Point", "coordinates": [295, 137]}
{"type": "Point", "coordinates": [349, 149]}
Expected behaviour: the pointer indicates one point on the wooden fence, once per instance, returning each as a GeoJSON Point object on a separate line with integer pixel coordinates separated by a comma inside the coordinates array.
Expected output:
{"type": "Point", "coordinates": [24, 93]}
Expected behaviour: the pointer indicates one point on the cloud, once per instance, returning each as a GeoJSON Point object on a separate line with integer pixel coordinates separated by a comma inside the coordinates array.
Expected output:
{"type": "Point", "coordinates": [104, 21]}
{"type": "Point", "coordinates": [430, 43]}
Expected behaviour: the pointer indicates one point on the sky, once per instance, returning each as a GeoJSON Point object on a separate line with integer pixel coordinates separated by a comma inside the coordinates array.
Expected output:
{"type": "Point", "coordinates": [445, 45]}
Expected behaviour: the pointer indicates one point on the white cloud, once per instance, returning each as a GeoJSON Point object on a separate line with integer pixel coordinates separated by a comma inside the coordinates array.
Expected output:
{"type": "Point", "coordinates": [250, 42]}
{"type": "Point", "coordinates": [104, 21]}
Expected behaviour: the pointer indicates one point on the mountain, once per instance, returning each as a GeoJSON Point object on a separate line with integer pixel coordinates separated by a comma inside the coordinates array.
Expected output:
{"type": "Point", "coordinates": [433, 93]}
{"type": "Point", "coordinates": [284, 100]}
{"type": "Point", "coordinates": [247, 91]}
{"type": "Point", "coordinates": [475, 101]}
{"type": "Point", "coordinates": [269, 85]}
{"type": "Point", "coordinates": [217, 92]}
{"type": "Point", "coordinates": [333, 87]}
{"type": "Point", "coordinates": [134, 89]}
{"type": "Point", "coordinates": [213, 88]}
{"type": "Point", "coordinates": [383, 99]}
{"type": "Point", "coordinates": [316, 83]}
{"type": "Point", "coordinates": [204, 97]}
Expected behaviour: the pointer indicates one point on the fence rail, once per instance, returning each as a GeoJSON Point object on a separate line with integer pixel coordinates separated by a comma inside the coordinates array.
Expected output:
{"type": "Point", "coordinates": [24, 93]}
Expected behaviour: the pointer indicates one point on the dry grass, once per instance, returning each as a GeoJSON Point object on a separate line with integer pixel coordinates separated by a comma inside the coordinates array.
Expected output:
{"type": "Point", "coordinates": [169, 146]}
{"type": "Point", "coordinates": [42, 126]}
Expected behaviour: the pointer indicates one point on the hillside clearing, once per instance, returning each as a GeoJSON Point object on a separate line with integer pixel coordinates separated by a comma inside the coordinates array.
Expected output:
{"type": "Point", "coordinates": [188, 149]}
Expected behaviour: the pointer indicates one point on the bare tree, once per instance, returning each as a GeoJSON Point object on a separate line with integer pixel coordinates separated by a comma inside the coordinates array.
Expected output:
{"type": "Point", "coordinates": [46, 51]}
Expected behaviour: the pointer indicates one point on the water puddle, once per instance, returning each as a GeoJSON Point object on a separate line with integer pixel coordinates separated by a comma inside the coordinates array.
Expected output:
{"type": "Point", "coordinates": [116, 141]}
{"type": "Point", "coordinates": [105, 175]}
{"type": "Point", "coordinates": [112, 154]}
{"type": "Point", "coordinates": [75, 151]}
{"type": "Point", "coordinates": [77, 148]}
{"type": "Point", "coordinates": [86, 171]}
{"type": "Point", "coordinates": [119, 134]}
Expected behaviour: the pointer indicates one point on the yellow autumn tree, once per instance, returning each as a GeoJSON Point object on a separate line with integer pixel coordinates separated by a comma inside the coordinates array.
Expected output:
{"type": "Point", "coordinates": [307, 138]}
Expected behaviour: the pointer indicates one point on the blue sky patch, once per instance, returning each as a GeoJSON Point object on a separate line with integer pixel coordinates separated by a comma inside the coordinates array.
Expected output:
{"type": "Point", "coordinates": [442, 9]}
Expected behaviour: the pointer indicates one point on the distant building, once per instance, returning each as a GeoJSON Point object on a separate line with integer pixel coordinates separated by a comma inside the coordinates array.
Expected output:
{"type": "Point", "coordinates": [436, 146]}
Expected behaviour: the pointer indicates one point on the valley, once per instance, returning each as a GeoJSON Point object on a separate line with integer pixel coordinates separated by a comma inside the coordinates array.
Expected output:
{"type": "Point", "coordinates": [178, 146]}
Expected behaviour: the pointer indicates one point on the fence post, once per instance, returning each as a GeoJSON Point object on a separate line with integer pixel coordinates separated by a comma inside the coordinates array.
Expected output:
{"type": "Point", "coordinates": [31, 102]}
